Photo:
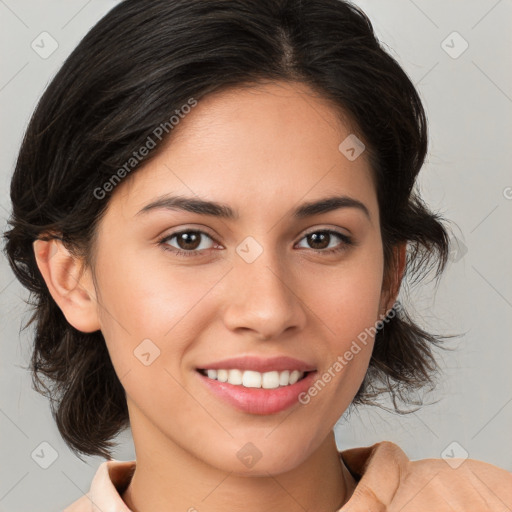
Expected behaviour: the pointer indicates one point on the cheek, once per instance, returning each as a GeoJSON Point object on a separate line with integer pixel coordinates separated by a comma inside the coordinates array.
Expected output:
{"type": "Point", "coordinates": [147, 308]}
{"type": "Point", "coordinates": [347, 297]}
{"type": "Point", "coordinates": [134, 293]}
{"type": "Point", "coordinates": [350, 311]}
{"type": "Point", "coordinates": [349, 308]}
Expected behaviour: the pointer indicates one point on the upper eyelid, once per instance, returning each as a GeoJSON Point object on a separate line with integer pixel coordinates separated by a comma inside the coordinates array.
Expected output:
{"type": "Point", "coordinates": [330, 229]}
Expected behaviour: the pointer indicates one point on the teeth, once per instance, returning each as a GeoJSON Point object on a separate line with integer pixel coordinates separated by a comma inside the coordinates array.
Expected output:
{"type": "Point", "coordinates": [251, 379]}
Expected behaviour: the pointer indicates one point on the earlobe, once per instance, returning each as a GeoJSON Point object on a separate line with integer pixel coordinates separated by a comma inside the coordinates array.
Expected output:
{"type": "Point", "coordinates": [69, 283]}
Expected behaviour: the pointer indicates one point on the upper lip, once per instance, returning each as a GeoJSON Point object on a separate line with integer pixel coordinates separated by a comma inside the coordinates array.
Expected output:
{"type": "Point", "coordinates": [260, 364]}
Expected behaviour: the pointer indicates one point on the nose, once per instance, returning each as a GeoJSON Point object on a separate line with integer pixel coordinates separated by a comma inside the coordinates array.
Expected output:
{"type": "Point", "coordinates": [262, 298]}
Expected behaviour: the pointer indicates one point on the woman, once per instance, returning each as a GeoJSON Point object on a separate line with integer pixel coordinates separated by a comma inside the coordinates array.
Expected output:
{"type": "Point", "coordinates": [214, 208]}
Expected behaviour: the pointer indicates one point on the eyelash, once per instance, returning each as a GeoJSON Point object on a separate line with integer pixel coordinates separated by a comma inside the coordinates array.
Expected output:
{"type": "Point", "coordinates": [346, 242]}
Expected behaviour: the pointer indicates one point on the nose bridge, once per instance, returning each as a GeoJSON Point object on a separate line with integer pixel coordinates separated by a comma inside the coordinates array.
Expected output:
{"type": "Point", "coordinates": [262, 297]}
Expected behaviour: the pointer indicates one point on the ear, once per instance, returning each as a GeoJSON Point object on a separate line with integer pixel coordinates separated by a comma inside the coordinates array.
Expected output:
{"type": "Point", "coordinates": [393, 278]}
{"type": "Point", "coordinates": [69, 282]}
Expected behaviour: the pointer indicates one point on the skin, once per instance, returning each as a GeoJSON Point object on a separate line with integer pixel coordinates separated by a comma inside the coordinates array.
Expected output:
{"type": "Point", "coordinates": [263, 151]}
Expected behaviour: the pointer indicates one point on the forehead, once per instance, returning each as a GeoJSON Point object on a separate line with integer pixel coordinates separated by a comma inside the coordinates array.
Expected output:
{"type": "Point", "coordinates": [254, 148]}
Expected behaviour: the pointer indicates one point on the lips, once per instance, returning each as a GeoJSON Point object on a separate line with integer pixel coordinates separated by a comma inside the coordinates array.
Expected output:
{"type": "Point", "coordinates": [259, 364]}
{"type": "Point", "coordinates": [258, 400]}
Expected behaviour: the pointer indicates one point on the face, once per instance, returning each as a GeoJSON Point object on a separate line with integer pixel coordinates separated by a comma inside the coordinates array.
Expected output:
{"type": "Point", "coordinates": [182, 290]}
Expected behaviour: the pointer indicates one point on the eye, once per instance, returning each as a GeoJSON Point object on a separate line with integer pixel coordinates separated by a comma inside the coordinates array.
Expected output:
{"type": "Point", "coordinates": [189, 242]}
{"type": "Point", "coordinates": [321, 241]}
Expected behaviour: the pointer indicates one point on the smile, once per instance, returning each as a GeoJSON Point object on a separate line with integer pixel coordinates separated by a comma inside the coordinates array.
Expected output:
{"type": "Point", "coordinates": [249, 396]}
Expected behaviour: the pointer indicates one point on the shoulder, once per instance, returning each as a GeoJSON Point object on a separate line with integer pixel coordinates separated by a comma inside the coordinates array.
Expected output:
{"type": "Point", "coordinates": [465, 484]}
{"type": "Point", "coordinates": [389, 480]}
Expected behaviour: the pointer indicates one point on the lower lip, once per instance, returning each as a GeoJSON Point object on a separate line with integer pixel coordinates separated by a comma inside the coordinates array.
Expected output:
{"type": "Point", "coordinates": [259, 400]}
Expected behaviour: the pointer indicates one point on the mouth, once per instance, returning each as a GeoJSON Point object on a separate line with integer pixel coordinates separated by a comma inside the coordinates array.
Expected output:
{"type": "Point", "coordinates": [256, 393]}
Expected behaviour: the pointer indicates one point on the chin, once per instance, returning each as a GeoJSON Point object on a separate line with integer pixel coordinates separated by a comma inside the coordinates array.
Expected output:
{"type": "Point", "coordinates": [249, 460]}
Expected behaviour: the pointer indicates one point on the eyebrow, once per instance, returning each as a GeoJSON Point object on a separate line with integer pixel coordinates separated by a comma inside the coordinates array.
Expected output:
{"type": "Point", "coordinates": [224, 211]}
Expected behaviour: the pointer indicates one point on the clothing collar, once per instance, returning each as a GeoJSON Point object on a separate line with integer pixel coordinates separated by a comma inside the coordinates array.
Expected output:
{"type": "Point", "coordinates": [365, 464]}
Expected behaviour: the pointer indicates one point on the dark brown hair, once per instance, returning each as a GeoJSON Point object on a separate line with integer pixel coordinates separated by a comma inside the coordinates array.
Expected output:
{"type": "Point", "coordinates": [127, 76]}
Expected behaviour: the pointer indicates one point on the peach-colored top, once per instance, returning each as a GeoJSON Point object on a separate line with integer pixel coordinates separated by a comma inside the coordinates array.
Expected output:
{"type": "Point", "coordinates": [386, 481]}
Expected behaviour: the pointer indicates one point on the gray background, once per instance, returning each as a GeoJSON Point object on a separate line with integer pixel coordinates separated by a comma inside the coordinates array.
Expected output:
{"type": "Point", "coordinates": [468, 98]}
